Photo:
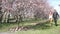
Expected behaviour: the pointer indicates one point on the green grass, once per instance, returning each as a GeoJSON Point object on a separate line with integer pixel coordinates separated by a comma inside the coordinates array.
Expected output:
{"type": "Point", "coordinates": [35, 29]}
{"type": "Point", "coordinates": [5, 26]}
{"type": "Point", "coordinates": [45, 30]}
{"type": "Point", "coordinates": [48, 31]}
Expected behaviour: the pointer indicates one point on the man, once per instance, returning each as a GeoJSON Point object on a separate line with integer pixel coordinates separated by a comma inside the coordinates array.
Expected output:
{"type": "Point", "coordinates": [55, 17]}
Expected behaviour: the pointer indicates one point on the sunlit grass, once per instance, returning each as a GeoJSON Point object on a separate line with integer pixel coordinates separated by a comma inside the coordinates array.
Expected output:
{"type": "Point", "coordinates": [52, 30]}
{"type": "Point", "coordinates": [36, 29]}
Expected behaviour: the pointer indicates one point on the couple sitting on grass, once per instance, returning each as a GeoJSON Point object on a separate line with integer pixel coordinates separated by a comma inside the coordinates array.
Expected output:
{"type": "Point", "coordinates": [53, 17]}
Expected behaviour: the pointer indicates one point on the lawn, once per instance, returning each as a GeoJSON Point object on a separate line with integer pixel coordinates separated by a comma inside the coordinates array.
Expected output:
{"type": "Point", "coordinates": [35, 29]}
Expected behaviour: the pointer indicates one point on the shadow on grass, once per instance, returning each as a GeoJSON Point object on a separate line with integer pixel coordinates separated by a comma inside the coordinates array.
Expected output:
{"type": "Point", "coordinates": [39, 26]}
{"type": "Point", "coordinates": [6, 25]}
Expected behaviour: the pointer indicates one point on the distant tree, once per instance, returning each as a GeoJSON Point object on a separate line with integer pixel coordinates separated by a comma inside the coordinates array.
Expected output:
{"type": "Point", "coordinates": [1, 14]}
{"type": "Point", "coordinates": [27, 8]}
{"type": "Point", "coordinates": [21, 9]}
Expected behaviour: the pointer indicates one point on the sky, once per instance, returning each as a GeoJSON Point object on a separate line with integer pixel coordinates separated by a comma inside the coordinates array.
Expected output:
{"type": "Point", "coordinates": [55, 4]}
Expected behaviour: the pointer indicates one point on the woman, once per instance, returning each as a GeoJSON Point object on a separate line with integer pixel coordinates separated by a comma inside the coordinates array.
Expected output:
{"type": "Point", "coordinates": [50, 17]}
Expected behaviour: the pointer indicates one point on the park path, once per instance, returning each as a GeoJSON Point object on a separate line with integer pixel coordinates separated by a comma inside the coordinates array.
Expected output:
{"type": "Point", "coordinates": [6, 32]}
